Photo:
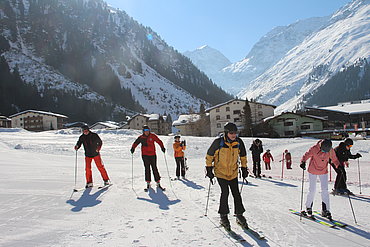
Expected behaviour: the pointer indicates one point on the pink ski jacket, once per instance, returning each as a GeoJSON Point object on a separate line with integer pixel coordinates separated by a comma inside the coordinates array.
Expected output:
{"type": "Point", "coordinates": [319, 160]}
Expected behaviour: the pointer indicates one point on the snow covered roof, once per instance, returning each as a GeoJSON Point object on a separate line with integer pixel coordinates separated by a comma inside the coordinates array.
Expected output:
{"type": "Point", "coordinates": [350, 108]}
{"type": "Point", "coordinates": [107, 124]}
{"type": "Point", "coordinates": [309, 116]}
{"type": "Point", "coordinates": [185, 119]}
{"type": "Point", "coordinates": [4, 118]}
{"type": "Point", "coordinates": [153, 116]}
{"type": "Point", "coordinates": [39, 112]}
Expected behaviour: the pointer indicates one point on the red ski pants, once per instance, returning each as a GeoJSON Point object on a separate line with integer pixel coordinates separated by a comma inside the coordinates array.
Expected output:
{"type": "Point", "coordinates": [99, 165]}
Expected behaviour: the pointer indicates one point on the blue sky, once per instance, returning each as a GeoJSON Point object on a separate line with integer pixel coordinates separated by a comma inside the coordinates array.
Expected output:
{"type": "Point", "coordinates": [230, 26]}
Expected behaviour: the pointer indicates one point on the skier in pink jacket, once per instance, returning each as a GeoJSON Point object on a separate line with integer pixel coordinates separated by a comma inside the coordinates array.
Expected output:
{"type": "Point", "coordinates": [319, 154]}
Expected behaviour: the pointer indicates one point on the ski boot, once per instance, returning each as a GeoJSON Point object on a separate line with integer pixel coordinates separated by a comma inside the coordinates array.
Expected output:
{"type": "Point", "coordinates": [160, 187]}
{"type": "Point", "coordinates": [147, 186]}
{"type": "Point", "coordinates": [224, 221]}
{"type": "Point", "coordinates": [240, 219]}
{"type": "Point", "coordinates": [326, 214]}
{"type": "Point", "coordinates": [106, 182]}
{"type": "Point", "coordinates": [89, 185]}
{"type": "Point", "coordinates": [307, 213]}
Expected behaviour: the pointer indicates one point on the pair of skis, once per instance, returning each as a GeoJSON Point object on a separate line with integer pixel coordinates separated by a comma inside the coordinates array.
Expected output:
{"type": "Point", "coordinates": [319, 219]}
{"type": "Point", "coordinates": [99, 188]}
{"type": "Point", "coordinates": [247, 230]}
{"type": "Point", "coordinates": [158, 186]}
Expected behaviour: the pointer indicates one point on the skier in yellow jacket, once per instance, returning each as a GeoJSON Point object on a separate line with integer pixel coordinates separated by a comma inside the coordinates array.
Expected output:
{"type": "Point", "coordinates": [222, 157]}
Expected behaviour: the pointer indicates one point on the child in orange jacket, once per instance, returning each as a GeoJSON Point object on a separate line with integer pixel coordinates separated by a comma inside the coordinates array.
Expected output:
{"type": "Point", "coordinates": [178, 148]}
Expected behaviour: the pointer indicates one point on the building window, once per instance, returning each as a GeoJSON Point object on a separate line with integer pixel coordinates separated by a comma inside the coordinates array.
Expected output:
{"type": "Point", "coordinates": [236, 119]}
{"type": "Point", "coordinates": [217, 109]}
{"type": "Point", "coordinates": [218, 126]}
{"type": "Point", "coordinates": [288, 123]}
{"type": "Point", "coordinates": [260, 114]}
{"type": "Point", "coordinates": [227, 116]}
{"type": "Point", "coordinates": [227, 108]}
{"type": "Point", "coordinates": [289, 133]}
{"type": "Point", "coordinates": [259, 106]}
{"type": "Point", "coordinates": [305, 126]}
{"type": "Point", "coordinates": [218, 117]}
{"type": "Point", "coordinates": [236, 112]}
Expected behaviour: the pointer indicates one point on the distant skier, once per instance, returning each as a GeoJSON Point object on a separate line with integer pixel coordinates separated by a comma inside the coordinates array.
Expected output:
{"type": "Point", "coordinates": [288, 159]}
{"type": "Point", "coordinates": [178, 148]}
{"type": "Point", "coordinates": [343, 152]}
{"type": "Point", "coordinates": [223, 156]}
{"type": "Point", "coordinates": [92, 145]}
{"type": "Point", "coordinates": [267, 157]}
{"type": "Point", "coordinates": [319, 156]}
{"type": "Point", "coordinates": [148, 154]}
{"type": "Point", "coordinates": [257, 150]}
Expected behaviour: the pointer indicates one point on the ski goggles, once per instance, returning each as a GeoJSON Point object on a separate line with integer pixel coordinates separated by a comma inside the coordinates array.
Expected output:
{"type": "Point", "coordinates": [349, 146]}
{"type": "Point", "coordinates": [233, 132]}
{"type": "Point", "coordinates": [146, 130]}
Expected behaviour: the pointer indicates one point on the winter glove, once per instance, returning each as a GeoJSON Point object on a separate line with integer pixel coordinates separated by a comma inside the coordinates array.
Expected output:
{"type": "Point", "coordinates": [184, 143]}
{"type": "Point", "coordinates": [244, 172]}
{"type": "Point", "coordinates": [358, 155]}
{"type": "Point", "coordinates": [163, 150]}
{"type": "Point", "coordinates": [303, 165]}
{"type": "Point", "coordinates": [210, 172]}
{"type": "Point", "coordinates": [132, 150]}
{"type": "Point", "coordinates": [76, 147]}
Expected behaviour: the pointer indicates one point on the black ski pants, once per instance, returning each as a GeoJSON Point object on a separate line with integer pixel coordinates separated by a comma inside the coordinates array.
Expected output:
{"type": "Point", "coordinates": [224, 205]}
{"type": "Point", "coordinates": [150, 161]}
{"type": "Point", "coordinates": [257, 168]}
{"type": "Point", "coordinates": [180, 166]}
{"type": "Point", "coordinates": [341, 179]}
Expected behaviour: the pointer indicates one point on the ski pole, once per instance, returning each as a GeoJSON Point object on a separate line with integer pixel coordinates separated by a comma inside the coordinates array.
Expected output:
{"type": "Point", "coordinates": [353, 212]}
{"type": "Point", "coordinates": [209, 189]}
{"type": "Point", "coordinates": [282, 168]}
{"type": "Point", "coordinates": [132, 172]}
{"type": "Point", "coordinates": [300, 217]}
{"type": "Point", "coordinates": [169, 178]}
{"type": "Point", "coordinates": [359, 174]}
{"type": "Point", "coordinates": [246, 182]}
{"type": "Point", "coordinates": [75, 189]}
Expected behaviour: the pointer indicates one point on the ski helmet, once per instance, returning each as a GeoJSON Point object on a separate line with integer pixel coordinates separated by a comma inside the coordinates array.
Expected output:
{"type": "Point", "coordinates": [175, 137]}
{"type": "Point", "coordinates": [268, 150]}
{"type": "Point", "coordinates": [326, 145]}
{"type": "Point", "coordinates": [228, 127]}
{"type": "Point", "coordinates": [286, 150]}
{"type": "Point", "coordinates": [85, 127]}
{"type": "Point", "coordinates": [348, 142]}
{"type": "Point", "coordinates": [258, 141]}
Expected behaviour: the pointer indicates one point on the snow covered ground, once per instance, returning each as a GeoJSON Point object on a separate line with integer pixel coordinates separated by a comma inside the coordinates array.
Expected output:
{"type": "Point", "coordinates": [39, 209]}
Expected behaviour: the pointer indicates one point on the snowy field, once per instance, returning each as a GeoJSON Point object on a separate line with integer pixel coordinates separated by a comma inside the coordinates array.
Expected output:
{"type": "Point", "coordinates": [38, 207]}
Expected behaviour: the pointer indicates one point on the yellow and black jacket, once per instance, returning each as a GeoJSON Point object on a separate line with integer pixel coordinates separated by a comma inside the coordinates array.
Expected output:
{"type": "Point", "coordinates": [223, 155]}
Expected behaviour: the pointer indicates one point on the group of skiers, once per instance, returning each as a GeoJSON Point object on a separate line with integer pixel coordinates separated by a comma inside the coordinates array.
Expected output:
{"type": "Point", "coordinates": [222, 161]}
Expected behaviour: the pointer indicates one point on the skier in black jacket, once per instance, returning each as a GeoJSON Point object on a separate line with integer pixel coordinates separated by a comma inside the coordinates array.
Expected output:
{"type": "Point", "coordinates": [257, 150]}
{"type": "Point", "coordinates": [92, 145]}
{"type": "Point", "coordinates": [343, 153]}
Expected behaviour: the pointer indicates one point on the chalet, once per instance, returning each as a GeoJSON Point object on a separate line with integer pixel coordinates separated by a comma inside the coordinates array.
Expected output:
{"type": "Point", "coordinates": [158, 124]}
{"type": "Point", "coordinates": [232, 111]}
{"type": "Point", "coordinates": [5, 122]}
{"type": "Point", "coordinates": [37, 120]}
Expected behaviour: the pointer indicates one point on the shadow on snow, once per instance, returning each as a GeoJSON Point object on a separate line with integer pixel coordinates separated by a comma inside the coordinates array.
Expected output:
{"type": "Point", "coordinates": [158, 197]}
{"type": "Point", "coordinates": [86, 200]}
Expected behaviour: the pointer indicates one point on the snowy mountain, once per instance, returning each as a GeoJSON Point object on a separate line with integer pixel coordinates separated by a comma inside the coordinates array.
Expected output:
{"type": "Point", "coordinates": [38, 208]}
{"type": "Point", "coordinates": [339, 44]}
{"type": "Point", "coordinates": [265, 53]}
{"type": "Point", "coordinates": [88, 53]}
{"type": "Point", "coordinates": [208, 60]}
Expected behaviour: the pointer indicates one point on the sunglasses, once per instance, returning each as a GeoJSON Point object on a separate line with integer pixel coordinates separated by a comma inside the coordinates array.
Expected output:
{"type": "Point", "coordinates": [146, 129]}
{"type": "Point", "coordinates": [349, 146]}
{"type": "Point", "coordinates": [232, 132]}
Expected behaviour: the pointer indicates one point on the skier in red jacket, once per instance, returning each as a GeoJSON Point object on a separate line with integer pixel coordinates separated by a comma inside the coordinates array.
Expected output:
{"type": "Point", "coordinates": [288, 159]}
{"type": "Point", "coordinates": [148, 154]}
{"type": "Point", "coordinates": [267, 157]}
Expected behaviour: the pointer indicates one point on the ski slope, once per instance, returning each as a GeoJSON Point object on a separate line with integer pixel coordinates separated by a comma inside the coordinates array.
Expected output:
{"type": "Point", "coordinates": [38, 207]}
